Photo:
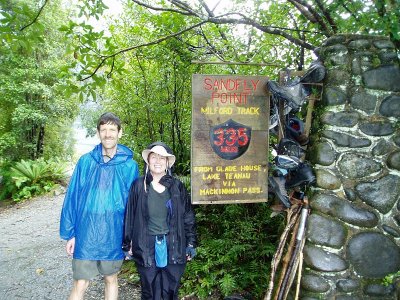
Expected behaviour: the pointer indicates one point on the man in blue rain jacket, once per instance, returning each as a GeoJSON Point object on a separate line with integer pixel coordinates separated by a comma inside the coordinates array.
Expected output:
{"type": "Point", "coordinates": [92, 216]}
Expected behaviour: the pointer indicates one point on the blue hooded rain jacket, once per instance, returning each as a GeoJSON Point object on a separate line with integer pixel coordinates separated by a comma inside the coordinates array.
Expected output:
{"type": "Point", "coordinates": [94, 206]}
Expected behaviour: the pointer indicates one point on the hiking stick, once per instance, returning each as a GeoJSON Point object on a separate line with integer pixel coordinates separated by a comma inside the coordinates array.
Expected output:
{"type": "Point", "coordinates": [287, 257]}
{"type": "Point", "coordinates": [296, 269]}
{"type": "Point", "coordinates": [288, 278]}
{"type": "Point", "coordinates": [278, 254]}
{"type": "Point", "coordinates": [300, 269]}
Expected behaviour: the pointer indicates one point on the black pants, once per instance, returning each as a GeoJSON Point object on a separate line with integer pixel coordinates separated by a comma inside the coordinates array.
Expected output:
{"type": "Point", "coordinates": [160, 283]}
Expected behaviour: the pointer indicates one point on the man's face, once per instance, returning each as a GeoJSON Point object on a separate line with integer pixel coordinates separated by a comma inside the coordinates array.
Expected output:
{"type": "Point", "coordinates": [109, 135]}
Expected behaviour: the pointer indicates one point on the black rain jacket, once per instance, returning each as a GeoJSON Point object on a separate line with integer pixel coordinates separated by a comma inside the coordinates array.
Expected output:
{"type": "Point", "coordinates": [181, 221]}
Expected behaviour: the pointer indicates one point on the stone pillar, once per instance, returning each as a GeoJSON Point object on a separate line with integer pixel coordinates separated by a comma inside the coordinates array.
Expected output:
{"type": "Point", "coordinates": [353, 234]}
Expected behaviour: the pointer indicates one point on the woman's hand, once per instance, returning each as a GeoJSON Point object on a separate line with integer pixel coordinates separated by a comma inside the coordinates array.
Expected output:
{"type": "Point", "coordinates": [190, 252]}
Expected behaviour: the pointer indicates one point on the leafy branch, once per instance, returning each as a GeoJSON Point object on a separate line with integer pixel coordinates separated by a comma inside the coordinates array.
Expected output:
{"type": "Point", "coordinates": [209, 17]}
{"type": "Point", "coordinates": [313, 16]}
{"type": "Point", "coordinates": [35, 18]}
{"type": "Point", "coordinates": [185, 9]}
{"type": "Point", "coordinates": [155, 42]}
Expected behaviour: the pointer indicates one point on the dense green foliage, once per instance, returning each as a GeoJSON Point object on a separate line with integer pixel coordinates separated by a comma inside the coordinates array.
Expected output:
{"type": "Point", "coordinates": [33, 108]}
{"type": "Point", "coordinates": [35, 113]}
{"type": "Point", "coordinates": [141, 65]}
{"type": "Point", "coordinates": [154, 97]}
{"type": "Point", "coordinates": [236, 246]}
{"type": "Point", "coordinates": [280, 33]}
{"type": "Point", "coordinates": [29, 178]}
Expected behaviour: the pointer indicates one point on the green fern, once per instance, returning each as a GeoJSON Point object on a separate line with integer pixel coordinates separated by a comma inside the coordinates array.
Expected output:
{"type": "Point", "coordinates": [227, 284]}
{"type": "Point", "coordinates": [35, 177]}
{"type": "Point", "coordinates": [29, 172]}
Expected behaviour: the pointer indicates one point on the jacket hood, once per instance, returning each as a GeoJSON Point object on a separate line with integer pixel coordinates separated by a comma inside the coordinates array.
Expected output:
{"type": "Point", "coordinates": [123, 154]}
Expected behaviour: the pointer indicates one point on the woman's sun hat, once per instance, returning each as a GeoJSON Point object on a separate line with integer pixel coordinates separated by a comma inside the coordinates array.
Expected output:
{"type": "Point", "coordinates": [158, 149]}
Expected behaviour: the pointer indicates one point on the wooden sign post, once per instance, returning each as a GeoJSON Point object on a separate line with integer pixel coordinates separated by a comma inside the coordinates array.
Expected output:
{"type": "Point", "coordinates": [230, 125]}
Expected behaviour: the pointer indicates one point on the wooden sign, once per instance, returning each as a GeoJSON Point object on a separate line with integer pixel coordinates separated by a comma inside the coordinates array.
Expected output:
{"type": "Point", "coordinates": [230, 125]}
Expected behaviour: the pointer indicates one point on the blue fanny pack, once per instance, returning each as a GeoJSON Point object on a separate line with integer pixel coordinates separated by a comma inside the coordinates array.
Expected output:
{"type": "Point", "coordinates": [160, 249]}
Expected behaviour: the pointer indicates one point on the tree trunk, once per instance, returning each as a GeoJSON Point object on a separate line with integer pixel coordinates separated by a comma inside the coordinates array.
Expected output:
{"type": "Point", "coordinates": [40, 142]}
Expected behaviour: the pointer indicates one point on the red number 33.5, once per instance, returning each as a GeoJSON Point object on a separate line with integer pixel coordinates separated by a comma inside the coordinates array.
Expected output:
{"type": "Point", "coordinates": [231, 136]}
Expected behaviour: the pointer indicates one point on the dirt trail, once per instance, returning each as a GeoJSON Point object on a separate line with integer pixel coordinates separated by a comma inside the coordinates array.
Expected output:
{"type": "Point", "coordinates": [33, 262]}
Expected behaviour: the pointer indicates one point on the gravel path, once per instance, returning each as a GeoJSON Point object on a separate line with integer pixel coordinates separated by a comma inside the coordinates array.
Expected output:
{"type": "Point", "coordinates": [33, 261]}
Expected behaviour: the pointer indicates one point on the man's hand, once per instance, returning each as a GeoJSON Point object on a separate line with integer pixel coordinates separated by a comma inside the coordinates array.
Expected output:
{"type": "Point", "coordinates": [70, 247]}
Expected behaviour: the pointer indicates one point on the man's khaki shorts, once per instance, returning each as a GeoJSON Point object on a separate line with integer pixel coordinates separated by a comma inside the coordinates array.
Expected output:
{"type": "Point", "coordinates": [89, 269]}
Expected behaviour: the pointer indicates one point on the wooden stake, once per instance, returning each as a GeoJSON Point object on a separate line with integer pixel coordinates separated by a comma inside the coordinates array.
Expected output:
{"type": "Point", "coordinates": [291, 220]}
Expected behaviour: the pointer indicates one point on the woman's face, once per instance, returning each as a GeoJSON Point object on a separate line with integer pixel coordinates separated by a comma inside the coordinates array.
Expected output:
{"type": "Point", "coordinates": [157, 163]}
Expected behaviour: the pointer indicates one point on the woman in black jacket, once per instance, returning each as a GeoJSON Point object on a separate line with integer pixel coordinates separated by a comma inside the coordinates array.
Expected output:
{"type": "Point", "coordinates": [160, 227]}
